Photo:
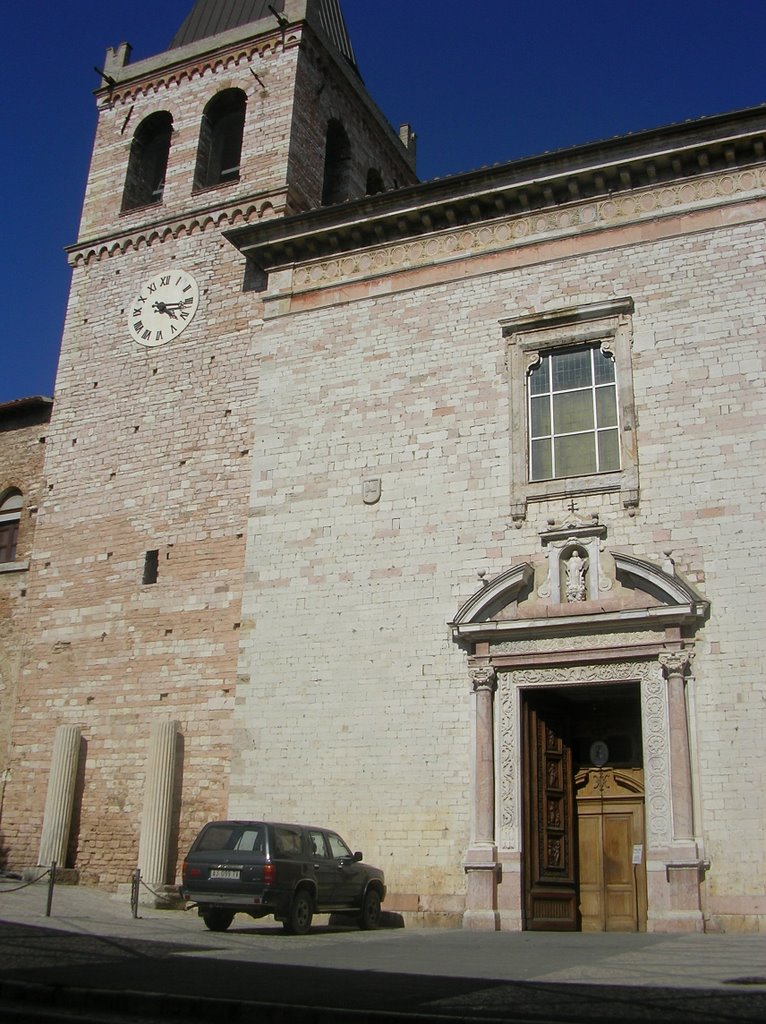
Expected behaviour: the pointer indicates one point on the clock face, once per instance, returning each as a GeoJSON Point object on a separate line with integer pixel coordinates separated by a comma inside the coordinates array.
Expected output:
{"type": "Point", "coordinates": [163, 308]}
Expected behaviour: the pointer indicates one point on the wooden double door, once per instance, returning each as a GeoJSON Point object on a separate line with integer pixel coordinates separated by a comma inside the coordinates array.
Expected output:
{"type": "Point", "coordinates": [584, 850]}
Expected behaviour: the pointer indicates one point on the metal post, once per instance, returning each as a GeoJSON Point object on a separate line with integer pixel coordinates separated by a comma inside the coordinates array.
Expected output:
{"type": "Point", "coordinates": [51, 883]}
{"type": "Point", "coordinates": [134, 890]}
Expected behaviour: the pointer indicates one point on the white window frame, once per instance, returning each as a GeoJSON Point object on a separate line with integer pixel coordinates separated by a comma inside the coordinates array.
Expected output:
{"type": "Point", "coordinates": [608, 325]}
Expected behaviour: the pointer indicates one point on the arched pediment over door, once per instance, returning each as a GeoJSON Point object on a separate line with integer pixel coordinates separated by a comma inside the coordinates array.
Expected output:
{"type": "Point", "coordinates": [582, 617]}
{"type": "Point", "coordinates": [623, 593]}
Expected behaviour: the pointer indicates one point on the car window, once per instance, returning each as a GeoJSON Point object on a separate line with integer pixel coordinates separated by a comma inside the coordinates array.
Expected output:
{"type": "Point", "coordinates": [232, 837]}
{"type": "Point", "coordinates": [317, 843]}
{"type": "Point", "coordinates": [288, 842]}
{"type": "Point", "coordinates": [337, 847]}
{"type": "Point", "coordinates": [217, 837]}
{"type": "Point", "coordinates": [250, 839]}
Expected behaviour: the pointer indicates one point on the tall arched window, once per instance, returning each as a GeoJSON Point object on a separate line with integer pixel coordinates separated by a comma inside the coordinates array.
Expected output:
{"type": "Point", "coordinates": [374, 182]}
{"type": "Point", "coordinates": [220, 139]}
{"type": "Point", "coordinates": [337, 165]}
{"type": "Point", "coordinates": [148, 161]}
{"type": "Point", "coordinates": [10, 515]}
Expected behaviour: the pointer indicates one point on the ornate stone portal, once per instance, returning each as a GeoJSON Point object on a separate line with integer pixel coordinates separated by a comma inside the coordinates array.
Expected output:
{"type": "Point", "coordinates": [641, 635]}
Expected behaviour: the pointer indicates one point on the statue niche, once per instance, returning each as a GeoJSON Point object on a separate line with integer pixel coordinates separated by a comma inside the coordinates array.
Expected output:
{"type": "Point", "coordinates": [574, 569]}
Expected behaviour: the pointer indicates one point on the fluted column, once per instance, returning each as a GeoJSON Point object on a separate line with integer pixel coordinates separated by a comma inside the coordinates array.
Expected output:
{"type": "Point", "coordinates": [675, 665]}
{"type": "Point", "coordinates": [158, 803]}
{"type": "Point", "coordinates": [57, 818]}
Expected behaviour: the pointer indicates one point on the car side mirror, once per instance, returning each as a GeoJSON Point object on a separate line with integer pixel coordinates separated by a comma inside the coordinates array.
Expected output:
{"type": "Point", "coordinates": [358, 855]}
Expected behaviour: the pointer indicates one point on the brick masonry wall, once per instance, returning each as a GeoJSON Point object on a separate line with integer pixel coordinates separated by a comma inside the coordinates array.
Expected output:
{"type": "Point", "coordinates": [262, 181]}
{"type": "Point", "coordinates": [149, 449]}
{"type": "Point", "coordinates": [353, 702]}
{"type": "Point", "coordinates": [22, 446]}
{"type": "Point", "coordinates": [322, 92]}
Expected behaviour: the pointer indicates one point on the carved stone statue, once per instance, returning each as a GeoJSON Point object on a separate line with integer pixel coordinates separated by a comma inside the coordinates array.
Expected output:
{"type": "Point", "coordinates": [575, 568]}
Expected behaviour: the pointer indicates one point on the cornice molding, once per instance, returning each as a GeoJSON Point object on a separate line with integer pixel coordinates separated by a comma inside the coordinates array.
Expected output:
{"type": "Point", "coordinates": [194, 60]}
{"type": "Point", "coordinates": [588, 184]}
{"type": "Point", "coordinates": [246, 209]}
{"type": "Point", "coordinates": [441, 249]}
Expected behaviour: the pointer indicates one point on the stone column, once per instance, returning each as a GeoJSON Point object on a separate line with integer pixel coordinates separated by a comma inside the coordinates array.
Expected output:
{"type": "Point", "coordinates": [57, 818]}
{"type": "Point", "coordinates": [156, 818]}
{"type": "Point", "coordinates": [675, 665]}
{"type": "Point", "coordinates": [683, 868]}
{"type": "Point", "coordinates": [481, 861]}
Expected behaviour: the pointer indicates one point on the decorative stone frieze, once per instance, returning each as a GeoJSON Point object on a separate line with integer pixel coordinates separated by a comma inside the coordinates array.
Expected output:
{"type": "Point", "coordinates": [505, 233]}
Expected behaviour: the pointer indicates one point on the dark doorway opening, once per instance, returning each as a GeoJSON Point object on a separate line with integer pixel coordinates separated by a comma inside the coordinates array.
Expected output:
{"type": "Point", "coordinates": [583, 796]}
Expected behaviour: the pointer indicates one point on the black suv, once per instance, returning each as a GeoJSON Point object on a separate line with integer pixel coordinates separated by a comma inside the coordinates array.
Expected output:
{"type": "Point", "coordinates": [290, 871]}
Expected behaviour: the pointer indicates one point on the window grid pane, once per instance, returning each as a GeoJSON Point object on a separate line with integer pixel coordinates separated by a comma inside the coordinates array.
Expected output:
{"type": "Point", "coordinates": [573, 416]}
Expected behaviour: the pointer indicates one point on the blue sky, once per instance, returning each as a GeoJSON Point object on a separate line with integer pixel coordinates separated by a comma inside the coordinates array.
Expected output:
{"type": "Point", "coordinates": [481, 83]}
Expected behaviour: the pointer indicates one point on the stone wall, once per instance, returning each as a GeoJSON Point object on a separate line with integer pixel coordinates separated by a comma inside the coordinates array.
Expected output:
{"type": "Point", "coordinates": [402, 376]}
{"type": "Point", "coordinates": [149, 451]}
{"type": "Point", "coordinates": [23, 434]}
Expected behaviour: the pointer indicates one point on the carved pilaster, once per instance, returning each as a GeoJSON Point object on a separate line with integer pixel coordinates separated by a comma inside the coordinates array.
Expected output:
{"type": "Point", "coordinates": [481, 858]}
{"type": "Point", "coordinates": [675, 665]}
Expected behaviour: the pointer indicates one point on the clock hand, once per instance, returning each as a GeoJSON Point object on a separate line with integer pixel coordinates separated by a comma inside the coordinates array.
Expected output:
{"type": "Point", "coordinates": [168, 307]}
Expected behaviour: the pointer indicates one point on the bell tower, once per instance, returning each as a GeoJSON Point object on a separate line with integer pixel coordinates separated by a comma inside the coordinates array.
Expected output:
{"type": "Point", "coordinates": [255, 111]}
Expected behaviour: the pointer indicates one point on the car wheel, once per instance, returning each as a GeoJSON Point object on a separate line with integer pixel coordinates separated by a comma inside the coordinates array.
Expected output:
{"type": "Point", "coordinates": [218, 920]}
{"type": "Point", "coordinates": [301, 912]}
{"type": "Point", "coordinates": [370, 915]}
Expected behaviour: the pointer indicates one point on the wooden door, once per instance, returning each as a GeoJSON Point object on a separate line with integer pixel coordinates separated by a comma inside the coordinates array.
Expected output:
{"type": "Point", "coordinates": [550, 883]}
{"type": "Point", "coordinates": [610, 826]}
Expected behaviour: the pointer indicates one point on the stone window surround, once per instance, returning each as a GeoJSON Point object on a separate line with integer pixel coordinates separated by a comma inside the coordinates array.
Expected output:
{"type": "Point", "coordinates": [606, 323]}
{"type": "Point", "coordinates": [11, 504]}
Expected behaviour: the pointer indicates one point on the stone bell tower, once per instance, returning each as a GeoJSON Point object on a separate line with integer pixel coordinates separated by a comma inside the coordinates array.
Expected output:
{"type": "Point", "coordinates": [255, 111]}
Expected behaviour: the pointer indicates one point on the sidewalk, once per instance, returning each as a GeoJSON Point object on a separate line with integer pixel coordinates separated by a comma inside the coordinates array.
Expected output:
{"type": "Point", "coordinates": [166, 964]}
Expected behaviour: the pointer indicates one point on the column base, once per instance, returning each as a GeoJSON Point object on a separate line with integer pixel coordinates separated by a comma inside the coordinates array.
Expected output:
{"type": "Point", "coordinates": [482, 871]}
{"type": "Point", "coordinates": [481, 920]}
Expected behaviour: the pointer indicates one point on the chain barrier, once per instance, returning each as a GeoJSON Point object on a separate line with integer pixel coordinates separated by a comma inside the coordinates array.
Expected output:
{"type": "Point", "coordinates": [25, 885]}
{"type": "Point", "coordinates": [136, 882]}
{"type": "Point", "coordinates": [51, 874]}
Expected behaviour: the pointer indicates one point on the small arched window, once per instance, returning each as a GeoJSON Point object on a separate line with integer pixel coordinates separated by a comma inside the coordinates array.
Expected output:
{"type": "Point", "coordinates": [220, 139]}
{"type": "Point", "coordinates": [337, 165]}
{"type": "Point", "coordinates": [10, 515]}
{"type": "Point", "coordinates": [374, 182]}
{"type": "Point", "coordinates": [148, 161]}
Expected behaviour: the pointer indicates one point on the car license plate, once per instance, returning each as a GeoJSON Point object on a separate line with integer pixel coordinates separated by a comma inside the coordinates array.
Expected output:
{"type": "Point", "coordinates": [223, 873]}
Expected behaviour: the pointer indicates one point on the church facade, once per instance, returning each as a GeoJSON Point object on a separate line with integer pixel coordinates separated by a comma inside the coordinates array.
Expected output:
{"type": "Point", "coordinates": [421, 510]}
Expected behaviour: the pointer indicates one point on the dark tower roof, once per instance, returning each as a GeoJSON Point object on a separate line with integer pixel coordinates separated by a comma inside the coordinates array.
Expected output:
{"type": "Point", "coordinates": [209, 17]}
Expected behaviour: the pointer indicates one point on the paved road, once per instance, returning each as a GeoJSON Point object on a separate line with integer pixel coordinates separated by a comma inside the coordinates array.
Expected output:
{"type": "Point", "coordinates": [166, 964]}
